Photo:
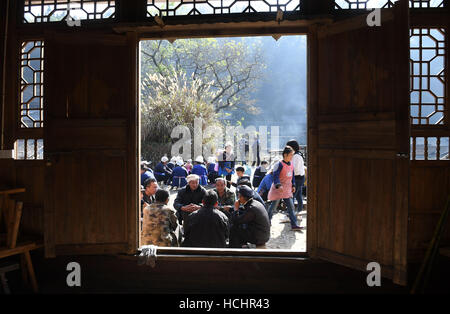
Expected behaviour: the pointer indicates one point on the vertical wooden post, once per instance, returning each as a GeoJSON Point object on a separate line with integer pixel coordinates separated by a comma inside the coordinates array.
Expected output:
{"type": "Point", "coordinates": [312, 112]}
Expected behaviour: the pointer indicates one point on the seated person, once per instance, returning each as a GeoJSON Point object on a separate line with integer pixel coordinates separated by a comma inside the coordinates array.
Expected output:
{"type": "Point", "coordinates": [189, 198]}
{"type": "Point", "coordinates": [226, 198]}
{"type": "Point", "coordinates": [150, 187]}
{"type": "Point", "coordinates": [256, 196]}
{"type": "Point", "coordinates": [179, 175]}
{"type": "Point", "coordinates": [200, 170]}
{"type": "Point", "coordinates": [260, 173]}
{"type": "Point", "coordinates": [146, 172]}
{"type": "Point", "coordinates": [254, 216]}
{"type": "Point", "coordinates": [162, 171]}
{"type": "Point", "coordinates": [160, 222]}
{"type": "Point", "coordinates": [240, 172]}
{"type": "Point", "coordinates": [208, 226]}
{"type": "Point", "coordinates": [212, 172]}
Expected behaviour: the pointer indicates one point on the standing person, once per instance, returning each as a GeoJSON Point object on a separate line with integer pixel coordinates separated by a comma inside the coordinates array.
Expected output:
{"type": "Point", "coordinates": [255, 219]}
{"type": "Point", "coordinates": [226, 163]}
{"type": "Point", "coordinates": [200, 170]}
{"type": "Point", "coordinates": [299, 173]}
{"type": "Point", "coordinates": [212, 173]}
{"type": "Point", "coordinates": [179, 175]}
{"type": "Point", "coordinates": [162, 171]}
{"type": "Point", "coordinates": [260, 173]}
{"type": "Point", "coordinates": [255, 151]}
{"type": "Point", "coordinates": [283, 186]}
{"type": "Point", "coordinates": [160, 222]}
{"type": "Point", "coordinates": [208, 226]}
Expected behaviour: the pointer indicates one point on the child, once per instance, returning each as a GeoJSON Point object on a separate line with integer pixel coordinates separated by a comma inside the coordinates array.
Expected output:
{"type": "Point", "coordinates": [240, 172]}
{"type": "Point", "coordinates": [283, 186]}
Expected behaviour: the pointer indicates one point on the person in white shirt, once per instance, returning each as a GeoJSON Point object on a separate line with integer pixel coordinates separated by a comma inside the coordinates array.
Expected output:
{"type": "Point", "coordinates": [299, 173]}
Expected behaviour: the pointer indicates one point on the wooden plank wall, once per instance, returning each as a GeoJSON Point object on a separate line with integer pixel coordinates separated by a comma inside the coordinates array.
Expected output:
{"type": "Point", "coordinates": [430, 186]}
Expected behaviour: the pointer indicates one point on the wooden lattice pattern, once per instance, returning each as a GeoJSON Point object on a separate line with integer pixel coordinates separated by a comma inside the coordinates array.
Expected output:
{"type": "Point", "coordinates": [427, 73]}
{"type": "Point", "coordinates": [29, 149]}
{"type": "Point", "coordinates": [430, 148]}
{"type": "Point", "coordinates": [42, 11]}
{"type": "Point", "coordinates": [215, 7]}
{"type": "Point", "coordinates": [370, 4]}
{"type": "Point", "coordinates": [32, 84]}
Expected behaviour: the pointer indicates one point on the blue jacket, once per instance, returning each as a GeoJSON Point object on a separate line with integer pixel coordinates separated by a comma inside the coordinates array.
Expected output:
{"type": "Point", "coordinates": [162, 172]}
{"type": "Point", "coordinates": [201, 171]}
{"type": "Point", "coordinates": [265, 186]}
{"type": "Point", "coordinates": [146, 175]}
{"type": "Point", "coordinates": [179, 175]}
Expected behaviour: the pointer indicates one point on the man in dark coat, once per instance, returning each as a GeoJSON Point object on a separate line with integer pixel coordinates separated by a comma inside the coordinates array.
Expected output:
{"type": "Point", "coordinates": [255, 219]}
{"type": "Point", "coordinates": [207, 227]}
{"type": "Point", "coordinates": [189, 198]}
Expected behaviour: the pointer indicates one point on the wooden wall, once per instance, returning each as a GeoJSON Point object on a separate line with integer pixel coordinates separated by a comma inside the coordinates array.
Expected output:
{"type": "Point", "coordinates": [429, 189]}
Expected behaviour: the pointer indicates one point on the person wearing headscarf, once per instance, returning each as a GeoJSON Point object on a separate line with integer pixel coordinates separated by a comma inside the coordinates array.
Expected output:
{"type": "Point", "coordinates": [189, 198]}
{"type": "Point", "coordinates": [179, 175]}
{"type": "Point", "coordinates": [200, 170]}
{"type": "Point", "coordinates": [162, 172]}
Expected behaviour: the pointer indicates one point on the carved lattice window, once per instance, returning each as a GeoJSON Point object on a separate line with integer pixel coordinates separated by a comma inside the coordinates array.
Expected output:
{"type": "Point", "coordinates": [29, 149]}
{"type": "Point", "coordinates": [31, 84]}
{"type": "Point", "coordinates": [370, 4]}
{"type": "Point", "coordinates": [201, 7]}
{"type": "Point", "coordinates": [427, 72]}
{"type": "Point", "coordinates": [429, 148]}
{"type": "Point", "coordinates": [42, 11]}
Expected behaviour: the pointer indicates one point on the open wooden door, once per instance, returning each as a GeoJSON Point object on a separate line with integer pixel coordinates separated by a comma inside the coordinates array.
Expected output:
{"type": "Point", "coordinates": [90, 144]}
{"type": "Point", "coordinates": [358, 142]}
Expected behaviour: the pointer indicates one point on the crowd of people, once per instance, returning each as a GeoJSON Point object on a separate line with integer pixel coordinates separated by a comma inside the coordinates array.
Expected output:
{"type": "Point", "coordinates": [207, 212]}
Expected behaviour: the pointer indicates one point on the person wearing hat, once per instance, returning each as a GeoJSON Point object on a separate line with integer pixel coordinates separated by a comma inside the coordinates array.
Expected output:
{"type": "Point", "coordinates": [162, 172]}
{"type": "Point", "coordinates": [146, 172]}
{"type": "Point", "coordinates": [254, 216]}
{"type": "Point", "coordinates": [189, 198]}
{"type": "Point", "coordinates": [208, 226]}
{"type": "Point", "coordinates": [227, 161]}
{"type": "Point", "coordinates": [200, 170]}
{"type": "Point", "coordinates": [171, 164]}
{"type": "Point", "coordinates": [179, 175]}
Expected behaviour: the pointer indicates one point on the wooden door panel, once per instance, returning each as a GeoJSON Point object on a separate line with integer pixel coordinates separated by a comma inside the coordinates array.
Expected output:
{"type": "Point", "coordinates": [89, 116]}
{"type": "Point", "coordinates": [358, 131]}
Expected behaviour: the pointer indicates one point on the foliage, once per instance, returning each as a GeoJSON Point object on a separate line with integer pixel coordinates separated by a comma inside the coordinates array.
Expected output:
{"type": "Point", "coordinates": [232, 68]}
{"type": "Point", "coordinates": [173, 100]}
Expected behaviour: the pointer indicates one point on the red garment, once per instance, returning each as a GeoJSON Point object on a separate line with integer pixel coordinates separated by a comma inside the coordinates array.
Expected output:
{"type": "Point", "coordinates": [285, 190]}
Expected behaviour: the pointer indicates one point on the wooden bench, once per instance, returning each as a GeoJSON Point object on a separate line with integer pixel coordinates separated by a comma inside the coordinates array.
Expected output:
{"type": "Point", "coordinates": [11, 213]}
